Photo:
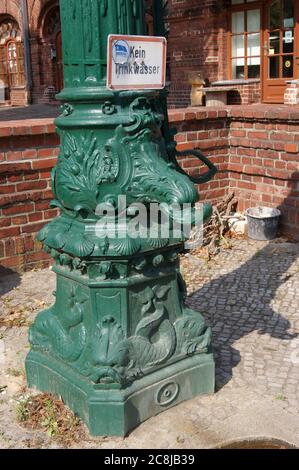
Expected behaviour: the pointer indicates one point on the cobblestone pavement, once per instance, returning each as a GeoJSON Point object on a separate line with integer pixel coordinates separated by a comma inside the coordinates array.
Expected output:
{"type": "Point", "coordinates": [250, 296]}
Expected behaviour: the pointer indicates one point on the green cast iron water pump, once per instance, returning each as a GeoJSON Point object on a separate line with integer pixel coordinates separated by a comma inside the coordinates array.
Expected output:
{"type": "Point", "coordinates": [119, 345]}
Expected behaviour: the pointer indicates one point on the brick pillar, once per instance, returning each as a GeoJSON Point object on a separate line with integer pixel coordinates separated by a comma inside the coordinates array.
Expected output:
{"type": "Point", "coordinates": [291, 96]}
{"type": "Point", "coordinates": [36, 69]}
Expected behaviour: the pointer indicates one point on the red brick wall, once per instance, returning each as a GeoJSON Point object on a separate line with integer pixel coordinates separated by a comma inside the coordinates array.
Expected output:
{"type": "Point", "coordinates": [256, 150]}
{"type": "Point", "coordinates": [264, 161]}
{"type": "Point", "coordinates": [207, 131]}
{"type": "Point", "coordinates": [192, 45]}
{"type": "Point", "coordinates": [248, 93]}
{"type": "Point", "coordinates": [197, 42]}
{"type": "Point", "coordinates": [28, 152]}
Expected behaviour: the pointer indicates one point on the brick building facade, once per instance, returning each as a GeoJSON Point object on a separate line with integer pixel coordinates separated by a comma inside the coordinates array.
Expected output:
{"type": "Point", "coordinates": [31, 68]}
{"type": "Point", "coordinates": [252, 46]}
{"type": "Point", "coordinates": [30, 51]}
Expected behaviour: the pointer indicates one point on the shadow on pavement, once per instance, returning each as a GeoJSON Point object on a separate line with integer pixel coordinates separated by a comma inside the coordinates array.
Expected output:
{"type": "Point", "coordinates": [239, 303]}
{"type": "Point", "coordinates": [9, 280]}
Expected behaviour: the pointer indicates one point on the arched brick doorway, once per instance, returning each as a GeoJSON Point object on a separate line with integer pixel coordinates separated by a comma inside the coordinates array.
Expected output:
{"type": "Point", "coordinates": [12, 75]}
{"type": "Point", "coordinates": [52, 36]}
{"type": "Point", "coordinates": [51, 51]}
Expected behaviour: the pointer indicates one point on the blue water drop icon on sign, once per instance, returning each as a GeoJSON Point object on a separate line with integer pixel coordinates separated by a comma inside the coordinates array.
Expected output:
{"type": "Point", "coordinates": [121, 52]}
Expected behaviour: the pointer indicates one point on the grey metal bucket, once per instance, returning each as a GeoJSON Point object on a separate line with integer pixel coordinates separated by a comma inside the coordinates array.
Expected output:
{"type": "Point", "coordinates": [263, 223]}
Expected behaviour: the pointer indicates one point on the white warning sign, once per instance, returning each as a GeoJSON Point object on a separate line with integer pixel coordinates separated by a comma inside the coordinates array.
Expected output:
{"type": "Point", "coordinates": [136, 62]}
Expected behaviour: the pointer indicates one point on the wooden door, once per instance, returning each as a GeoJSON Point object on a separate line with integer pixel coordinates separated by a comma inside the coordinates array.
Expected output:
{"type": "Point", "coordinates": [280, 47]}
{"type": "Point", "coordinates": [15, 64]}
{"type": "Point", "coordinates": [59, 62]}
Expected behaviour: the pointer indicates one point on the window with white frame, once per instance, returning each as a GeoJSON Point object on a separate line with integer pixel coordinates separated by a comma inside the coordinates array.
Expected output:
{"type": "Point", "coordinates": [245, 39]}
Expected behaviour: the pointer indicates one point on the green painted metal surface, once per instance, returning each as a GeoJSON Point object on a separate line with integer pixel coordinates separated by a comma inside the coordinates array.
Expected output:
{"type": "Point", "coordinates": [119, 345]}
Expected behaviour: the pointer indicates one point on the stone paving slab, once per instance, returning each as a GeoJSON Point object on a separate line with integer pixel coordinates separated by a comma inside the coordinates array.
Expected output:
{"type": "Point", "coordinates": [249, 294]}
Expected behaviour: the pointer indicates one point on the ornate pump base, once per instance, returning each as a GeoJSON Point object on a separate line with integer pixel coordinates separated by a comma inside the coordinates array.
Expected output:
{"type": "Point", "coordinates": [119, 345]}
{"type": "Point", "coordinates": [115, 412]}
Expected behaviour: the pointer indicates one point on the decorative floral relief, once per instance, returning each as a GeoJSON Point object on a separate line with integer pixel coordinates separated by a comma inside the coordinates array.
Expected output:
{"type": "Point", "coordinates": [101, 271]}
{"type": "Point", "coordinates": [62, 333]}
{"type": "Point", "coordinates": [108, 356]}
{"type": "Point", "coordinates": [157, 242]}
{"type": "Point", "coordinates": [81, 169]}
{"type": "Point", "coordinates": [127, 246]}
{"type": "Point", "coordinates": [67, 109]}
{"type": "Point", "coordinates": [142, 116]}
{"type": "Point", "coordinates": [156, 340]}
{"type": "Point", "coordinates": [58, 236]}
{"type": "Point", "coordinates": [138, 148]}
{"type": "Point", "coordinates": [108, 108]}
{"type": "Point", "coordinates": [133, 162]}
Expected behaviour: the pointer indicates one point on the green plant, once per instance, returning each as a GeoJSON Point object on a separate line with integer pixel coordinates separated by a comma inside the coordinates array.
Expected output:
{"type": "Point", "coordinates": [50, 423]}
{"type": "Point", "coordinates": [280, 396]}
{"type": "Point", "coordinates": [22, 411]}
{"type": "Point", "coordinates": [45, 412]}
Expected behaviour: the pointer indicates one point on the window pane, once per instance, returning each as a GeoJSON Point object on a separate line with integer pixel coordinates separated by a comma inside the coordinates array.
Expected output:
{"type": "Point", "coordinates": [237, 2]}
{"type": "Point", "coordinates": [288, 13]}
{"type": "Point", "coordinates": [238, 68]}
{"type": "Point", "coordinates": [274, 67]}
{"type": "Point", "coordinates": [288, 66]}
{"type": "Point", "coordinates": [238, 49]}
{"type": "Point", "coordinates": [9, 29]}
{"type": "Point", "coordinates": [3, 69]}
{"type": "Point", "coordinates": [288, 42]}
{"type": "Point", "coordinates": [238, 25]}
{"type": "Point", "coordinates": [253, 44]}
{"type": "Point", "coordinates": [274, 46]}
{"type": "Point", "coordinates": [254, 67]}
{"type": "Point", "coordinates": [253, 21]}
